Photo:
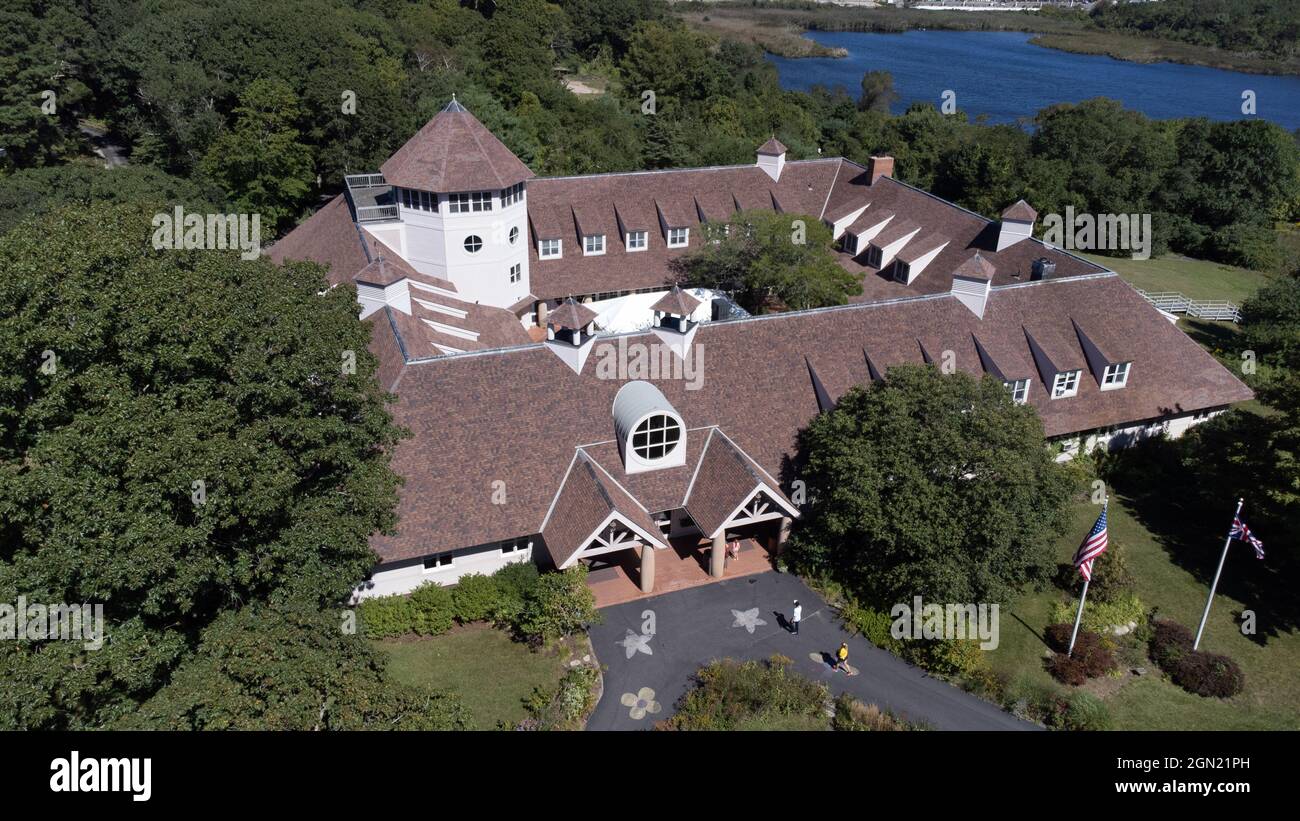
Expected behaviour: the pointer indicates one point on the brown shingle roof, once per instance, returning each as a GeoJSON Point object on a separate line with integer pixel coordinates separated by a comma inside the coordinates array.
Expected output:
{"type": "Point", "coordinates": [977, 267]}
{"type": "Point", "coordinates": [676, 301]}
{"type": "Point", "coordinates": [570, 316]}
{"type": "Point", "coordinates": [757, 390]}
{"type": "Point", "coordinates": [725, 478]}
{"type": "Point", "coordinates": [587, 498]}
{"type": "Point", "coordinates": [454, 152]}
{"type": "Point", "coordinates": [1021, 211]}
{"type": "Point", "coordinates": [772, 147]}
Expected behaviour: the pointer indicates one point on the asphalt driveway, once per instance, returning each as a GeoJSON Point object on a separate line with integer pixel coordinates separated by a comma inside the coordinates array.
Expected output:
{"type": "Point", "coordinates": [738, 618]}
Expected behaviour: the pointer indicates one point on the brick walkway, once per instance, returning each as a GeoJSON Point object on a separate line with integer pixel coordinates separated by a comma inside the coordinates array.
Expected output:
{"type": "Point", "coordinates": [685, 565]}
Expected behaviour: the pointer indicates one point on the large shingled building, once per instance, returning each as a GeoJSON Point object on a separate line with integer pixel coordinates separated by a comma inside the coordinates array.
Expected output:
{"type": "Point", "coordinates": [536, 436]}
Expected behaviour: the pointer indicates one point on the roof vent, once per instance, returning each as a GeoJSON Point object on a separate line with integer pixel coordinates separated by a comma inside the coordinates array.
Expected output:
{"type": "Point", "coordinates": [1017, 224]}
{"type": "Point", "coordinates": [1043, 268]}
{"type": "Point", "coordinates": [771, 157]}
{"type": "Point", "coordinates": [569, 332]}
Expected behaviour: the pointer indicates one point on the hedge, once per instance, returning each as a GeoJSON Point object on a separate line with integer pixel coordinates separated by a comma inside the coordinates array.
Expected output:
{"type": "Point", "coordinates": [1196, 671]}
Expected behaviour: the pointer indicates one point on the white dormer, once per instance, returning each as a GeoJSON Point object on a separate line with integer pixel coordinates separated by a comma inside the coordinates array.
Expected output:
{"type": "Point", "coordinates": [651, 434]}
{"type": "Point", "coordinates": [569, 333]}
{"type": "Point", "coordinates": [1017, 224]}
{"type": "Point", "coordinates": [771, 158]}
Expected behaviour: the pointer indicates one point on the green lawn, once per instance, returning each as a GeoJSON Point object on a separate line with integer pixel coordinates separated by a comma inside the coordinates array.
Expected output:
{"type": "Point", "coordinates": [1271, 699]}
{"type": "Point", "coordinates": [490, 672]}
{"type": "Point", "coordinates": [1196, 278]}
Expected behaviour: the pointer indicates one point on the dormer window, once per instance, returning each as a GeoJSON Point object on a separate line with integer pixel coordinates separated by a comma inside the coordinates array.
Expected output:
{"type": "Point", "coordinates": [874, 256]}
{"type": "Point", "coordinates": [548, 248]}
{"type": "Point", "coordinates": [850, 244]}
{"type": "Point", "coordinates": [593, 245]}
{"type": "Point", "coordinates": [1115, 376]}
{"type": "Point", "coordinates": [636, 240]}
{"type": "Point", "coordinates": [472, 202]}
{"type": "Point", "coordinates": [1019, 390]}
{"type": "Point", "coordinates": [656, 437]}
{"type": "Point", "coordinates": [512, 195]}
{"type": "Point", "coordinates": [1065, 384]}
{"type": "Point", "coordinates": [679, 237]}
{"type": "Point", "coordinates": [902, 271]}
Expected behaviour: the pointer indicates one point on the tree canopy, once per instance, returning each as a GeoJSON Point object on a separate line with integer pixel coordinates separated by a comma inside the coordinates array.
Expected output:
{"type": "Point", "coordinates": [929, 484]}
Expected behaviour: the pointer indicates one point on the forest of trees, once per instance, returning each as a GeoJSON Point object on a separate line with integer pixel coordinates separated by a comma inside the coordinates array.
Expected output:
{"type": "Point", "coordinates": [1270, 27]}
{"type": "Point", "coordinates": [267, 106]}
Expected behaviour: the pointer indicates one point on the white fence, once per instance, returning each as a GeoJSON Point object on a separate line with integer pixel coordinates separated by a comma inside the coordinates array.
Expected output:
{"type": "Point", "coordinates": [1176, 303]}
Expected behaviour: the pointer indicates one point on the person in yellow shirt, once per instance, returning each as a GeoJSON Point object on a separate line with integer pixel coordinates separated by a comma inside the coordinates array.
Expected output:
{"type": "Point", "coordinates": [842, 657]}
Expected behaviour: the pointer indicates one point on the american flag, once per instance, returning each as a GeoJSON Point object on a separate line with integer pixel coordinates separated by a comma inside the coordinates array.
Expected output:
{"type": "Point", "coordinates": [1240, 531]}
{"type": "Point", "coordinates": [1092, 547]}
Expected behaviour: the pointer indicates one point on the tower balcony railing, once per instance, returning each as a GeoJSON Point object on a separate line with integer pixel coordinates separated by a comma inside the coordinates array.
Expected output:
{"type": "Point", "coordinates": [365, 180]}
{"type": "Point", "coordinates": [376, 213]}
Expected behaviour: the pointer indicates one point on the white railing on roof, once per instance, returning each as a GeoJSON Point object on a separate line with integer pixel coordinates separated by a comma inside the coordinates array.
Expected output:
{"type": "Point", "coordinates": [375, 213]}
{"type": "Point", "coordinates": [1176, 303]}
{"type": "Point", "coordinates": [365, 180]}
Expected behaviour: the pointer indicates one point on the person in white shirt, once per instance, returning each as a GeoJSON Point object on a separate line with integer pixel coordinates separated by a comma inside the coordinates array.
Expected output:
{"type": "Point", "coordinates": [795, 617]}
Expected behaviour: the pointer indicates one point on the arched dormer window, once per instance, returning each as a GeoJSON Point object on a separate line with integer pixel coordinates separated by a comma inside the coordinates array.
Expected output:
{"type": "Point", "coordinates": [651, 434]}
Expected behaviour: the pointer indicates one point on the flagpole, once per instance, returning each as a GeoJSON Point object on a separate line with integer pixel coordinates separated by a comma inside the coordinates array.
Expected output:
{"type": "Point", "coordinates": [1196, 644]}
{"type": "Point", "coordinates": [1078, 617]}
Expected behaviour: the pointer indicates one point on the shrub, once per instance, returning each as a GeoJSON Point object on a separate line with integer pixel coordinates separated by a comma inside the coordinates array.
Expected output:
{"type": "Point", "coordinates": [567, 706]}
{"type": "Point", "coordinates": [1101, 616]}
{"type": "Point", "coordinates": [1196, 671]}
{"type": "Point", "coordinates": [1085, 712]}
{"type": "Point", "coordinates": [386, 616]}
{"type": "Point", "coordinates": [559, 605]}
{"type": "Point", "coordinates": [432, 609]}
{"type": "Point", "coordinates": [730, 694]}
{"type": "Point", "coordinates": [514, 583]}
{"type": "Point", "coordinates": [475, 598]}
{"type": "Point", "coordinates": [853, 716]}
{"type": "Point", "coordinates": [1091, 659]}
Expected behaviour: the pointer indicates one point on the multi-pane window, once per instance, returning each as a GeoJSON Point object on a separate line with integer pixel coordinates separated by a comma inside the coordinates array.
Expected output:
{"type": "Point", "coordinates": [636, 240]}
{"type": "Point", "coordinates": [514, 234]}
{"type": "Point", "coordinates": [1115, 376]}
{"type": "Point", "coordinates": [851, 244]}
{"type": "Point", "coordinates": [548, 248]}
{"type": "Point", "coordinates": [874, 256]}
{"type": "Point", "coordinates": [515, 546]}
{"type": "Point", "coordinates": [902, 271]}
{"type": "Point", "coordinates": [656, 437]}
{"type": "Point", "coordinates": [512, 195]}
{"type": "Point", "coordinates": [1019, 390]}
{"type": "Point", "coordinates": [678, 237]}
{"type": "Point", "coordinates": [466, 203]}
{"type": "Point", "coordinates": [516, 272]}
{"type": "Point", "coordinates": [593, 244]}
{"type": "Point", "coordinates": [438, 561]}
{"type": "Point", "coordinates": [473, 243]}
{"type": "Point", "coordinates": [1065, 384]}
{"type": "Point", "coordinates": [419, 200]}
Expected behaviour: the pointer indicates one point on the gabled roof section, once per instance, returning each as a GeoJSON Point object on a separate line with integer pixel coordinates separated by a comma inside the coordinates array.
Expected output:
{"type": "Point", "coordinates": [918, 248]}
{"type": "Point", "coordinates": [583, 507]}
{"type": "Point", "coordinates": [725, 479]}
{"type": "Point", "coordinates": [454, 152]}
{"type": "Point", "coordinates": [1097, 359]}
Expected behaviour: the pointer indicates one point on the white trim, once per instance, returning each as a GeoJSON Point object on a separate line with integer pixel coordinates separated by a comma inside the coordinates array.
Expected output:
{"type": "Point", "coordinates": [776, 497]}
{"type": "Point", "coordinates": [443, 309]}
{"type": "Point", "coordinates": [698, 462]}
{"type": "Point", "coordinates": [650, 541]}
{"type": "Point", "coordinates": [451, 330]}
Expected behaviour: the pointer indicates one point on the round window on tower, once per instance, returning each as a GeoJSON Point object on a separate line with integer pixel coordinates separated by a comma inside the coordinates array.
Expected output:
{"type": "Point", "coordinates": [473, 243]}
{"type": "Point", "coordinates": [514, 234]}
{"type": "Point", "coordinates": [656, 437]}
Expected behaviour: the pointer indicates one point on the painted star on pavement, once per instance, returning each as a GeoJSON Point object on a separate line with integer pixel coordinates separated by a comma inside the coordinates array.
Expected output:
{"type": "Point", "coordinates": [634, 643]}
{"type": "Point", "coordinates": [747, 619]}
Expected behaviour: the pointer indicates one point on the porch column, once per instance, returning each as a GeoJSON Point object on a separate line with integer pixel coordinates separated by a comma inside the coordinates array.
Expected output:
{"type": "Point", "coordinates": [647, 568]}
{"type": "Point", "coordinates": [783, 534]}
{"type": "Point", "coordinates": [718, 558]}
{"type": "Point", "coordinates": [541, 313]}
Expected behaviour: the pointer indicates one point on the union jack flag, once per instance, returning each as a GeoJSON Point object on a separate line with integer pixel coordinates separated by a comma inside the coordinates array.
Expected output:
{"type": "Point", "coordinates": [1093, 546]}
{"type": "Point", "coordinates": [1240, 531]}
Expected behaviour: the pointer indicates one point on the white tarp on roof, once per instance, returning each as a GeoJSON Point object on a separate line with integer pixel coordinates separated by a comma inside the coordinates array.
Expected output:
{"type": "Point", "coordinates": [632, 312]}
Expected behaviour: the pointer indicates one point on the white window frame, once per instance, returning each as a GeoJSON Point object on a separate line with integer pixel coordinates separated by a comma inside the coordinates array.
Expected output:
{"type": "Point", "coordinates": [593, 245]}
{"type": "Point", "coordinates": [443, 561]}
{"type": "Point", "coordinates": [1115, 376]}
{"type": "Point", "coordinates": [513, 235]}
{"type": "Point", "coordinates": [1019, 390]}
{"type": "Point", "coordinates": [679, 237]}
{"type": "Point", "coordinates": [550, 248]}
{"type": "Point", "coordinates": [1065, 384]}
{"type": "Point", "coordinates": [471, 202]}
{"type": "Point", "coordinates": [874, 256]}
{"type": "Point", "coordinates": [416, 200]}
{"type": "Point", "coordinates": [512, 195]}
{"type": "Point", "coordinates": [850, 244]}
{"type": "Point", "coordinates": [659, 423]}
{"type": "Point", "coordinates": [466, 243]}
{"type": "Point", "coordinates": [515, 546]}
{"type": "Point", "coordinates": [516, 272]}
{"type": "Point", "coordinates": [637, 241]}
{"type": "Point", "coordinates": [902, 271]}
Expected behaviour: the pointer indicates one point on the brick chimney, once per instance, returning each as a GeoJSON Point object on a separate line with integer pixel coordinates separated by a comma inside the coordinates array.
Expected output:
{"type": "Point", "coordinates": [880, 167]}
